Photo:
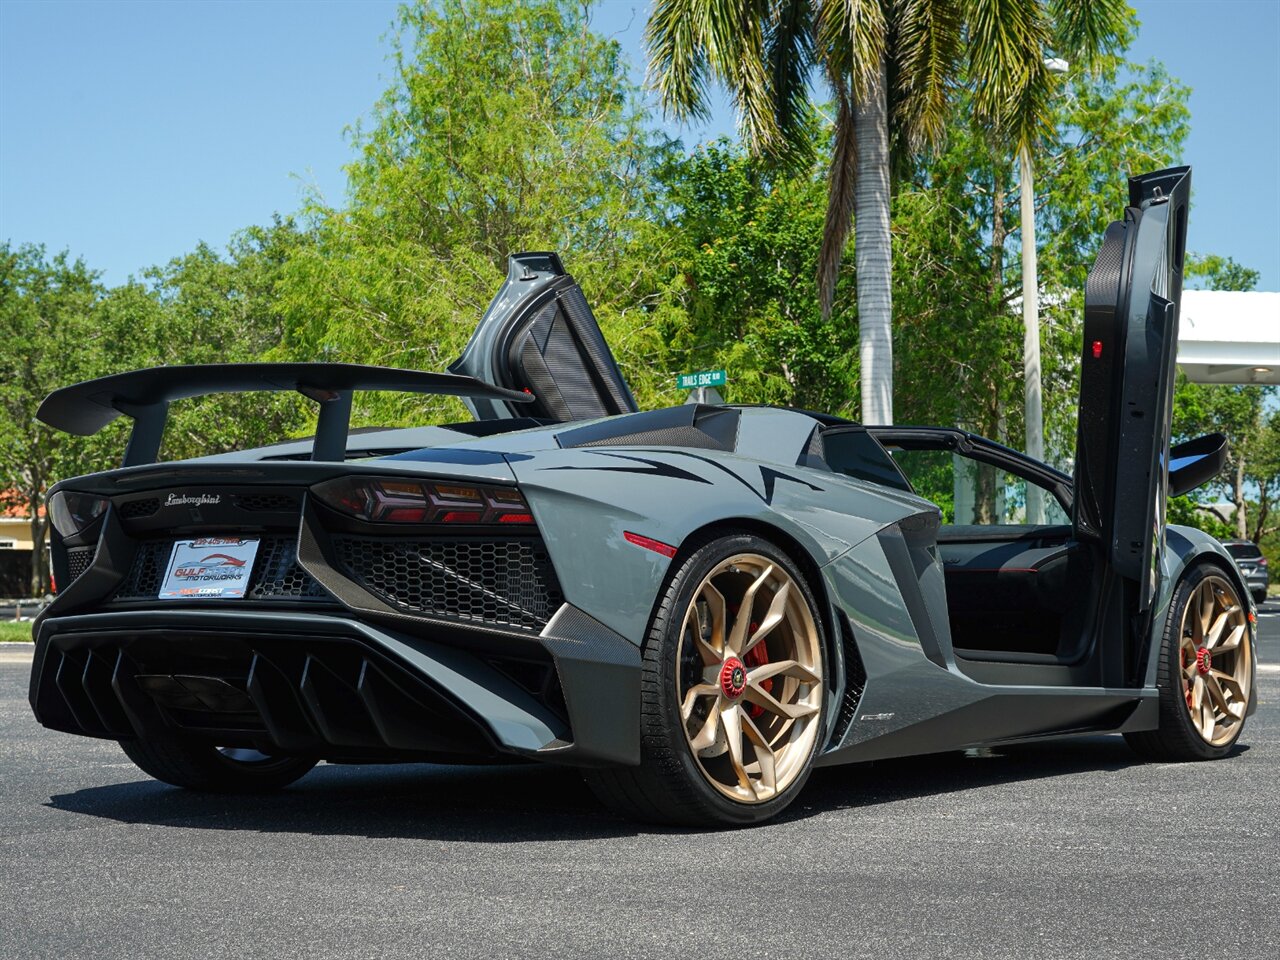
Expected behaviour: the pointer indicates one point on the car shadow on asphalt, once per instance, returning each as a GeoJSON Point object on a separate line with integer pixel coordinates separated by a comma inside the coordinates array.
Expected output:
{"type": "Point", "coordinates": [535, 803]}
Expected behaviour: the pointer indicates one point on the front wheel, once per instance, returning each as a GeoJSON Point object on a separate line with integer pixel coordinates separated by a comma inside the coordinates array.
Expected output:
{"type": "Point", "coordinates": [1206, 672]}
{"type": "Point", "coordinates": [732, 691]}
{"type": "Point", "coordinates": [204, 767]}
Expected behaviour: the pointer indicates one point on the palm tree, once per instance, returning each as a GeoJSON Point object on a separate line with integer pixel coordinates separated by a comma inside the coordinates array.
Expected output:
{"type": "Point", "coordinates": [891, 68]}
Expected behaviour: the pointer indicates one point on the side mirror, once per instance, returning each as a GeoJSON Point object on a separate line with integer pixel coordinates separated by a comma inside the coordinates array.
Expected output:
{"type": "Point", "coordinates": [1196, 462]}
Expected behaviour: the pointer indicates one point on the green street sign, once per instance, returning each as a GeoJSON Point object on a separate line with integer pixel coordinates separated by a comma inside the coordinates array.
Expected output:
{"type": "Point", "coordinates": [704, 378]}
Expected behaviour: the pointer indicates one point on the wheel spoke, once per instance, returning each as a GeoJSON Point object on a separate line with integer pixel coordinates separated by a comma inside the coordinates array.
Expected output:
{"type": "Point", "coordinates": [1197, 693]}
{"type": "Point", "coordinates": [1231, 685]}
{"type": "Point", "coordinates": [1215, 632]}
{"type": "Point", "coordinates": [712, 649]}
{"type": "Point", "coordinates": [1203, 604]}
{"type": "Point", "coordinates": [1231, 643]}
{"type": "Point", "coordinates": [738, 634]}
{"type": "Point", "coordinates": [691, 698]}
{"type": "Point", "coordinates": [1207, 722]}
{"type": "Point", "coordinates": [707, 735]}
{"type": "Point", "coordinates": [732, 718]}
{"type": "Point", "coordinates": [764, 753]}
{"type": "Point", "coordinates": [790, 711]}
{"type": "Point", "coordinates": [786, 668]}
{"type": "Point", "coordinates": [777, 613]}
{"type": "Point", "coordinates": [1215, 693]}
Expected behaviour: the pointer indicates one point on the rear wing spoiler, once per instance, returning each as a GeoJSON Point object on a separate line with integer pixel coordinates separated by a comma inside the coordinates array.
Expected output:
{"type": "Point", "coordinates": [144, 395]}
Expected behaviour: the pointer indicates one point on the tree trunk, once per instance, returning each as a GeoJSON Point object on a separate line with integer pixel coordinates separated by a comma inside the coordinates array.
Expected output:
{"type": "Point", "coordinates": [997, 234]}
{"type": "Point", "coordinates": [39, 568]}
{"type": "Point", "coordinates": [1033, 410]}
{"type": "Point", "coordinates": [873, 255]}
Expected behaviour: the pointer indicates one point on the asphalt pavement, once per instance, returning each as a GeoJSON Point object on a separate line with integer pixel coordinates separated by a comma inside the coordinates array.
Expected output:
{"type": "Point", "coordinates": [1070, 850]}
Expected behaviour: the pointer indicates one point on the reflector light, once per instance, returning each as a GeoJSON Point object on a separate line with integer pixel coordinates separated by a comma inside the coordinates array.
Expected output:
{"type": "Point", "coordinates": [462, 516]}
{"type": "Point", "coordinates": [72, 512]}
{"type": "Point", "coordinates": [1097, 349]}
{"type": "Point", "coordinates": [387, 500]}
{"type": "Point", "coordinates": [657, 546]}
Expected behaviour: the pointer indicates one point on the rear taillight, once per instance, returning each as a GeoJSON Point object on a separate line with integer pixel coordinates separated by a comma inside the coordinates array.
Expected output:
{"type": "Point", "coordinates": [386, 500]}
{"type": "Point", "coordinates": [72, 512]}
{"type": "Point", "coordinates": [1262, 562]}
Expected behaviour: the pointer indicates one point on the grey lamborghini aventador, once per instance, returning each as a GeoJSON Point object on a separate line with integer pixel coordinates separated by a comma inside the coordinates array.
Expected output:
{"type": "Point", "coordinates": [695, 605]}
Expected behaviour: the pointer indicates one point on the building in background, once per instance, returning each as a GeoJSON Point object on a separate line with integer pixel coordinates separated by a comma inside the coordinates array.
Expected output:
{"type": "Point", "coordinates": [15, 548]}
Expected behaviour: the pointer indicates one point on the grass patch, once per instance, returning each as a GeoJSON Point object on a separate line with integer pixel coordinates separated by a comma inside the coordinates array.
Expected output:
{"type": "Point", "coordinates": [11, 631]}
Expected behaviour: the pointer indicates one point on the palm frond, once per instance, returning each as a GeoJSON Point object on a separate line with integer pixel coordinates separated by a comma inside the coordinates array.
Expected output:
{"type": "Point", "coordinates": [677, 59]}
{"type": "Point", "coordinates": [840, 193]}
{"type": "Point", "coordinates": [1006, 41]}
{"type": "Point", "coordinates": [851, 43]}
{"type": "Point", "coordinates": [929, 43]}
{"type": "Point", "coordinates": [733, 33]}
{"type": "Point", "coordinates": [1086, 30]}
{"type": "Point", "coordinates": [789, 55]}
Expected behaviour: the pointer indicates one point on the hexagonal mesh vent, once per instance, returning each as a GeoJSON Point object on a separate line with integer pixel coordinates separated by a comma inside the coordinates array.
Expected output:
{"type": "Point", "coordinates": [133, 509]}
{"type": "Point", "coordinates": [507, 582]}
{"type": "Point", "coordinates": [78, 560]}
{"type": "Point", "coordinates": [276, 574]}
{"type": "Point", "coordinates": [268, 502]}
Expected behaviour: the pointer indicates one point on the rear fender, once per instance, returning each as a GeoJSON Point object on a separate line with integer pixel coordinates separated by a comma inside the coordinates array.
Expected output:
{"type": "Point", "coordinates": [586, 500]}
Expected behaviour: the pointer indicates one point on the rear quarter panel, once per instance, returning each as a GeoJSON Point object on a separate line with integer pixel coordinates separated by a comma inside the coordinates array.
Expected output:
{"type": "Point", "coordinates": [584, 500]}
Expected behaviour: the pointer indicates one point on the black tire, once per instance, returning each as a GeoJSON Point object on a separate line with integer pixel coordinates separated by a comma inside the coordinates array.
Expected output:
{"type": "Point", "coordinates": [668, 787]}
{"type": "Point", "coordinates": [1177, 739]}
{"type": "Point", "coordinates": [208, 769]}
{"type": "Point", "coordinates": [1259, 596]}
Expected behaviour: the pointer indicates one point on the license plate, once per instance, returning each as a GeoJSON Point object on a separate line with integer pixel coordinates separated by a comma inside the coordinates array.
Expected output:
{"type": "Point", "coordinates": [210, 568]}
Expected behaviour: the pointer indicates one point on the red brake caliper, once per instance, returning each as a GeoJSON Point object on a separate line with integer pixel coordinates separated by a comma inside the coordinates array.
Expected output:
{"type": "Point", "coordinates": [758, 656]}
{"type": "Point", "coordinates": [1186, 684]}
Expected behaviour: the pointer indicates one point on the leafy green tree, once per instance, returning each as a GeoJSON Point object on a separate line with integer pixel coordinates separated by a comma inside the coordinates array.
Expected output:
{"type": "Point", "coordinates": [743, 239]}
{"type": "Point", "coordinates": [1245, 414]}
{"type": "Point", "coordinates": [204, 307]}
{"type": "Point", "coordinates": [894, 70]}
{"type": "Point", "coordinates": [1220, 273]}
{"type": "Point", "coordinates": [508, 126]}
{"type": "Point", "coordinates": [47, 339]}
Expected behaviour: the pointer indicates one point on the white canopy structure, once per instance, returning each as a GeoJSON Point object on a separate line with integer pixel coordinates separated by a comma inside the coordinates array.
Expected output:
{"type": "Point", "coordinates": [1227, 337]}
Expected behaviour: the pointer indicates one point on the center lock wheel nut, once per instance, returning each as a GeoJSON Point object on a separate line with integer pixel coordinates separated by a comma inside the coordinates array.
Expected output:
{"type": "Point", "coordinates": [733, 678]}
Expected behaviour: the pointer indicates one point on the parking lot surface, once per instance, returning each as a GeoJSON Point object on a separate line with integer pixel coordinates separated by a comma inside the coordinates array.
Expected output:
{"type": "Point", "coordinates": [1073, 849]}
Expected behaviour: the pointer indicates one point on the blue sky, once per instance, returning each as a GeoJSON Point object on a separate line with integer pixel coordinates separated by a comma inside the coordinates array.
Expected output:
{"type": "Point", "coordinates": [129, 131]}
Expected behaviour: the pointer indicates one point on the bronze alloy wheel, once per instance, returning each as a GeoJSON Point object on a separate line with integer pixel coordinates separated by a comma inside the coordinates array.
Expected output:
{"type": "Point", "coordinates": [749, 682]}
{"type": "Point", "coordinates": [1216, 660]}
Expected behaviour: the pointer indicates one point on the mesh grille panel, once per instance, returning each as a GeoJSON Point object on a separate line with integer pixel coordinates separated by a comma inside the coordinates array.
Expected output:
{"type": "Point", "coordinates": [276, 574]}
{"type": "Point", "coordinates": [139, 508]}
{"type": "Point", "coordinates": [78, 560]}
{"type": "Point", "coordinates": [143, 581]}
{"type": "Point", "coordinates": [268, 501]}
{"type": "Point", "coordinates": [507, 582]}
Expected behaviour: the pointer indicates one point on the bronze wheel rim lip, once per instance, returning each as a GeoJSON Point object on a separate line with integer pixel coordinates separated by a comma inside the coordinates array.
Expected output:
{"type": "Point", "coordinates": [1215, 658]}
{"type": "Point", "coordinates": [749, 678]}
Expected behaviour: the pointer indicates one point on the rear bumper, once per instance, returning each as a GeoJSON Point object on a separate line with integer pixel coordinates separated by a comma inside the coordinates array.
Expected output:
{"type": "Point", "coordinates": [1257, 581]}
{"type": "Point", "coordinates": [333, 686]}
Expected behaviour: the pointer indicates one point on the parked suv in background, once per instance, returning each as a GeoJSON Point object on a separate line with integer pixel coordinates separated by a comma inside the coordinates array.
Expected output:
{"type": "Point", "coordinates": [1252, 564]}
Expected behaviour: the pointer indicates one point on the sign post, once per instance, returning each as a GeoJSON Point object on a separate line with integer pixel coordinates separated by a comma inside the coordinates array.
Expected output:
{"type": "Point", "coordinates": [703, 384]}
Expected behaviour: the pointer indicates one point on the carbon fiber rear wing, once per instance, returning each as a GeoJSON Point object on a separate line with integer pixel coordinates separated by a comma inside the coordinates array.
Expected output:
{"type": "Point", "coordinates": [144, 395]}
